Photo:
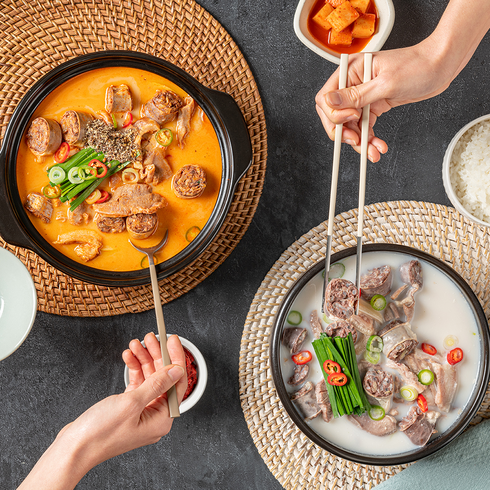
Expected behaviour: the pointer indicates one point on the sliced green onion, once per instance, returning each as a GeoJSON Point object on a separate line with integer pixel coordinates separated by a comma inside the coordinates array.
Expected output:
{"type": "Point", "coordinates": [114, 122]}
{"type": "Point", "coordinates": [408, 393]}
{"type": "Point", "coordinates": [294, 318]}
{"type": "Point", "coordinates": [74, 177]}
{"type": "Point", "coordinates": [450, 342]}
{"type": "Point", "coordinates": [376, 412]}
{"type": "Point", "coordinates": [326, 319]}
{"type": "Point", "coordinates": [378, 302]}
{"type": "Point", "coordinates": [56, 175]}
{"type": "Point", "coordinates": [337, 271]}
{"type": "Point", "coordinates": [374, 344]}
{"type": "Point", "coordinates": [426, 377]}
{"type": "Point", "coordinates": [372, 357]}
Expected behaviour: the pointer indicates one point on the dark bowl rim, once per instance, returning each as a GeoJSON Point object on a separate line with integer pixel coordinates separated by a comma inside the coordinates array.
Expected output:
{"type": "Point", "coordinates": [471, 406]}
{"type": "Point", "coordinates": [206, 98]}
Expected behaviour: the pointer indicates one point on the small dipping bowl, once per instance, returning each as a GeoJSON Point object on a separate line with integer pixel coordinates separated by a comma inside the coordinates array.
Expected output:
{"type": "Point", "coordinates": [386, 15]}
{"type": "Point", "coordinates": [446, 171]}
{"type": "Point", "coordinates": [202, 374]}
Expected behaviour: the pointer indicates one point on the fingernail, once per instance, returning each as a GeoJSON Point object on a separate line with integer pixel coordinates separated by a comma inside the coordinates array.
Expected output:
{"type": "Point", "coordinates": [176, 372]}
{"type": "Point", "coordinates": [334, 98]}
{"type": "Point", "coordinates": [351, 142]}
{"type": "Point", "coordinates": [353, 117]}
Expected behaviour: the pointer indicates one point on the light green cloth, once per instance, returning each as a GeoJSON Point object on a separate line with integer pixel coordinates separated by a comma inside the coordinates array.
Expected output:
{"type": "Point", "coordinates": [463, 465]}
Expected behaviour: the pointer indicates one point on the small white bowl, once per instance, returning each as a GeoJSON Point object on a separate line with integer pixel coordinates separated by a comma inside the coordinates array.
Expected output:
{"type": "Point", "coordinates": [202, 374]}
{"type": "Point", "coordinates": [386, 12]}
{"type": "Point", "coordinates": [446, 175]}
{"type": "Point", "coordinates": [18, 303]}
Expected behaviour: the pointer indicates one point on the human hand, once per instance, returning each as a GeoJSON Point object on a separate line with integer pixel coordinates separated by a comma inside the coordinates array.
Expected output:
{"type": "Point", "coordinates": [400, 76]}
{"type": "Point", "coordinates": [139, 416]}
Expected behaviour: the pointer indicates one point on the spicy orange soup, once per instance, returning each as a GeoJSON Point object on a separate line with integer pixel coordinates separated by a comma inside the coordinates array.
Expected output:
{"type": "Point", "coordinates": [86, 93]}
{"type": "Point", "coordinates": [322, 35]}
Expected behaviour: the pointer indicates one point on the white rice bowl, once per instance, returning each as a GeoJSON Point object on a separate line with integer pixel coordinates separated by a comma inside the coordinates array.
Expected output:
{"type": "Point", "coordinates": [469, 170]}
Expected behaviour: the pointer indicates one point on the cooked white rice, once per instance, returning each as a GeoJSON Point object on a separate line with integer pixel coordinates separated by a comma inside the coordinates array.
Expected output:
{"type": "Point", "coordinates": [469, 170]}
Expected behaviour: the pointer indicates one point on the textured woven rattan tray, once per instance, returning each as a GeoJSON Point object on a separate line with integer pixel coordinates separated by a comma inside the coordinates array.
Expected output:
{"type": "Point", "coordinates": [38, 35]}
{"type": "Point", "coordinates": [293, 459]}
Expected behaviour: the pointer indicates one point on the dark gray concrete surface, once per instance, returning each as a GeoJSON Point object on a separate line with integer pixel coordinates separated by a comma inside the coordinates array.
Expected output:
{"type": "Point", "coordinates": [67, 364]}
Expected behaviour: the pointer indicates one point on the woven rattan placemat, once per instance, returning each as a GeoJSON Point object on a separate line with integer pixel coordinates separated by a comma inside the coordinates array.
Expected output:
{"type": "Point", "coordinates": [38, 35]}
{"type": "Point", "coordinates": [293, 459]}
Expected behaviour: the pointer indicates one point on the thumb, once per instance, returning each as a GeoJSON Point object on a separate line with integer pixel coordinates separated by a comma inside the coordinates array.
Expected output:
{"type": "Point", "coordinates": [355, 97]}
{"type": "Point", "coordinates": [158, 383]}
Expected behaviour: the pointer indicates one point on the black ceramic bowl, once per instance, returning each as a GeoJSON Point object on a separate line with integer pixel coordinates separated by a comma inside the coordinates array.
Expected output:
{"type": "Point", "coordinates": [434, 444]}
{"type": "Point", "coordinates": [223, 112]}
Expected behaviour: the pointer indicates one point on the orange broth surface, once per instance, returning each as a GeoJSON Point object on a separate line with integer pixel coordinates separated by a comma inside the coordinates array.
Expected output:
{"type": "Point", "coordinates": [86, 93]}
{"type": "Point", "coordinates": [323, 36]}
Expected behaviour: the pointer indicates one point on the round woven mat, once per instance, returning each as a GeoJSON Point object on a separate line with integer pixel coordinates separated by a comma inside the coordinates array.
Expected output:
{"type": "Point", "coordinates": [293, 459]}
{"type": "Point", "coordinates": [38, 35]}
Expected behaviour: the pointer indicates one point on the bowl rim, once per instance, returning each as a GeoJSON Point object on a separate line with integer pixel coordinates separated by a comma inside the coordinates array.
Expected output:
{"type": "Point", "coordinates": [446, 164]}
{"type": "Point", "coordinates": [375, 44]}
{"type": "Point", "coordinates": [472, 405]}
{"type": "Point", "coordinates": [202, 374]}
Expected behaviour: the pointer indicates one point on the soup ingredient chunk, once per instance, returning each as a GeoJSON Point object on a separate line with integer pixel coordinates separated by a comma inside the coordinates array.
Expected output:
{"type": "Point", "coordinates": [79, 216]}
{"type": "Point", "coordinates": [89, 242]}
{"type": "Point", "coordinates": [340, 299]}
{"type": "Point", "coordinates": [106, 224]}
{"type": "Point", "coordinates": [141, 226]}
{"type": "Point", "coordinates": [411, 273]}
{"type": "Point", "coordinates": [39, 206]}
{"type": "Point", "coordinates": [189, 182]}
{"type": "Point", "coordinates": [164, 106]}
{"type": "Point", "coordinates": [379, 387]}
{"type": "Point", "coordinates": [305, 401]}
{"type": "Point", "coordinates": [183, 126]}
{"type": "Point", "coordinates": [315, 324]}
{"type": "Point", "coordinates": [293, 338]}
{"type": "Point", "coordinates": [144, 126]}
{"type": "Point", "coordinates": [44, 136]}
{"type": "Point", "coordinates": [323, 400]}
{"type": "Point", "coordinates": [74, 125]}
{"type": "Point", "coordinates": [155, 167]}
{"type": "Point", "coordinates": [380, 428]}
{"type": "Point", "coordinates": [341, 328]}
{"type": "Point", "coordinates": [419, 426]}
{"type": "Point", "coordinates": [408, 376]}
{"type": "Point", "coordinates": [131, 199]}
{"type": "Point", "coordinates": [399, 340]}
{"type": "Point", "coordinates": [299, 375]}
{"type": "Point", "coordinates": [118, 99]}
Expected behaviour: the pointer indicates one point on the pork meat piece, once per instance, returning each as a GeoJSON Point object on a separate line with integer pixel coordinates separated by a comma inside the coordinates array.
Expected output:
{"type": "Point", "coordinates": [341, 298]}
{"type": "Point", "coordinates": [74, 125]}
{"type": "Point", "coordinates": [106, 224]}
{"type": "Point", "coordinates": [144, 126]}
{"type": "Point", "coordinates": [131, 199]}
{"type": "Point", "coordinates": [341, 328]}
{"type": "Point", "coordinates": [305, 401]}
{"type": "Point", "coordinates": [164, 106]}
{"type": "Point", "coordinates": [411, 273]}
{"type": "Point", "coordinates": [363, 323]}
{"type": "Point", "coordinates": [41, 207]}
{"type": "Point", "coordinates": [89, 243]}
{"type": "Point", "coordinates": [380, 428]}
{"type": "Point", "coordinates": [391, 312]}
{"type": "Point", "coordinates": [446, 384]}
{"type": "Point", "coordinates": [398, 339]}
{"type": "Point", "coordinates": [183, 125]}
{"type": "Point", "coordinates": [409, 377]}
{"type": "Point", "coordinates": [44, 136]}
{"type": "Point", "coordinates": [300, 373]}
{"type": "Point", "coordinates": [315, 324]}
{"type": "Point", "coordinates": [118, 99]}
{"type": "Point", "coordinates": [189, 182]}
{"type": "Point", "coordinates": [79, 216]}
{"type": "Point", "coordinates": [379, 387]}
{"type": "Point", "coordinates": [162, 170]}
{"type": "Point", "coordinates": [419, 426]}
{"type": "Point", "coordinates": [293, 338]}
{"type": "Point", "coordinates": [376, 281]}
{"type": "Point", "coordinates": [323, 400]}
{"type": "Point", "coordinates": [361, 343]}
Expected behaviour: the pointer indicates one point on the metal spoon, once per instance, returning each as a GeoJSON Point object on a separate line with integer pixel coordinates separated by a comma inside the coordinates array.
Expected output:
{"type": "Point", "coordinates": [173, 403]}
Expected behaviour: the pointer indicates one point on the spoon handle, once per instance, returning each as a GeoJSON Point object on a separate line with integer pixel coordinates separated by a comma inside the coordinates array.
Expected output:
{"type": "Point", "coordinates": [173, 403]}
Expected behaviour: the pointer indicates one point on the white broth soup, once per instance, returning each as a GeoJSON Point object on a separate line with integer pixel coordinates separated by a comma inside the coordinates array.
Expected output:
{"type": "Point", "coordinates": [440, 310]}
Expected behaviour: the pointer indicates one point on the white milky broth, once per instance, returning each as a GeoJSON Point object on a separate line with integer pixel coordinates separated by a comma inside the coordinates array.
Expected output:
{"type": "Point", "coordinates": [440, 310]}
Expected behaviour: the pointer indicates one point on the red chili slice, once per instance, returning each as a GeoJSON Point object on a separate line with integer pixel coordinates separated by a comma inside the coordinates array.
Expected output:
{"type": "Point", "coordinates": [96, 164]}
{"type": "Point", "coordinates": [331, 367]}
{"type": "Point", "coordinates": [128, 120]}
{"type": "Point", "coordinates": [454, 356]}
{"type": "Point", "coordinates": [337, 379]}
{"type": "Point", "coordinates": [103, 198]}
{"type": "Point", "coordinates": [429, 349]}
{"type": "Point", "coordinates": [422, 403]}
{"type": "Point", "coordinates": [62, 152]}
{"type": "Point", "coordinates": [302, 357]}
